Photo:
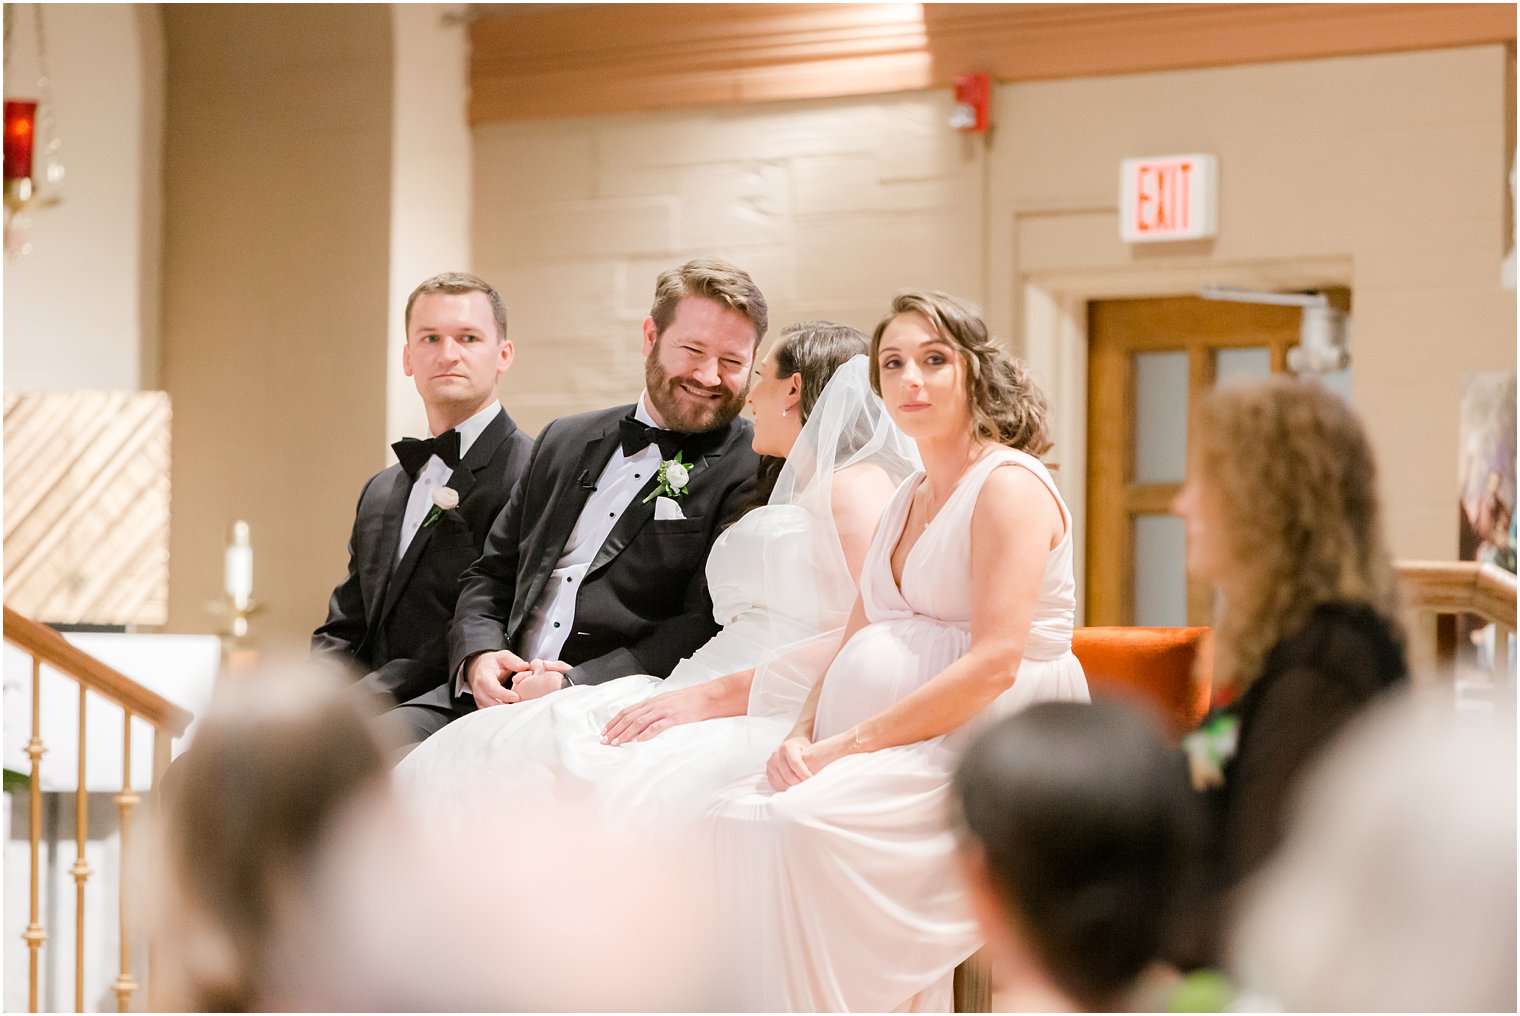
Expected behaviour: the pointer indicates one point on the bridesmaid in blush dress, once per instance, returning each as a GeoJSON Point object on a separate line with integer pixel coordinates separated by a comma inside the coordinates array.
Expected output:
{"type": "Point", "coordinates": [837, 859]}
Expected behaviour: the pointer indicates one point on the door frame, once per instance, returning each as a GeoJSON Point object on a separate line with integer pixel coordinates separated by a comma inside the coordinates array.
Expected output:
{"type": "Point", "coordinates": [1051, 331]}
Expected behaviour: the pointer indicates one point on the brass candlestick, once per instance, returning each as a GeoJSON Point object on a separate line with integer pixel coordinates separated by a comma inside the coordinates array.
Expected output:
{"type": "Point", "coordinates": [238, 605]}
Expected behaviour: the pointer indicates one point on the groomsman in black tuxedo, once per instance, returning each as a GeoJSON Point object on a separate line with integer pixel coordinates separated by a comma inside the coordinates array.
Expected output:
{"type": "Point", "coordinates": [421, 522]}
{"type": "Point", "coordinates": [595, 570]}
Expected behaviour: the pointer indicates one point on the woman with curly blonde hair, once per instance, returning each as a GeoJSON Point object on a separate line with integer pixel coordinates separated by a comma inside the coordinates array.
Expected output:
{"type": "Point", "coordinates": [1282, 516]}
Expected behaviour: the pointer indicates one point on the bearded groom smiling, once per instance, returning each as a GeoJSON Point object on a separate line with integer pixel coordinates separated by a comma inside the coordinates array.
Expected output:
{"type": "Point", "coordinates": [588, 574]}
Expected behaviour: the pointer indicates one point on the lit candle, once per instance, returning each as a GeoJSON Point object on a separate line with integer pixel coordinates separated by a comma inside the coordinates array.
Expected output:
{"type": "Point", "coordinates": [238, 570]}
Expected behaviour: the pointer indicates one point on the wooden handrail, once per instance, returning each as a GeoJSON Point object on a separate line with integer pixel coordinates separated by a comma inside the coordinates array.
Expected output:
{"type": "Point", "coordinates": [1459, 587]}
{"type": "Point", "coordinates": [53, 649]}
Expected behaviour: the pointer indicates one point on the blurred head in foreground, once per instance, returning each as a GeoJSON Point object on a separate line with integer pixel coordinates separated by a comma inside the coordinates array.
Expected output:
{"type": "Point", "coordinates": [1079, 838]}
{"type": "Point", "coordinates": [1395, 889]}
{"type": "Point", "coordinates": [294, 878]}
{"type": "Point", "coordinates": [521, 911]}
{"type": "Point", "coordinates": [278, 763]}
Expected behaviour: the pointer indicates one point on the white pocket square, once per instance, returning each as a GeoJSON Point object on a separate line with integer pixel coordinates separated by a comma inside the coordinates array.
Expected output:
{"type": "Point", "coordinates": [666, 509]}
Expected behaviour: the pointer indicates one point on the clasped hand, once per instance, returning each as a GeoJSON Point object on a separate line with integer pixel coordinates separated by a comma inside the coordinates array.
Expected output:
{"type": "Point", "coordinates": [800, 758]}
{"type": "Point", "coordinates": [489, 673]}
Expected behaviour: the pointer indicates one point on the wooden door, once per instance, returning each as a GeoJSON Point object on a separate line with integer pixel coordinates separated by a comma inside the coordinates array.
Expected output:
{"type": "Point", "coordinates": [1150, 362]}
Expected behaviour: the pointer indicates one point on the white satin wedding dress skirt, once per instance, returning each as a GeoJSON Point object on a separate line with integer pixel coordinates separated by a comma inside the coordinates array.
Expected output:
{"type": "Point", "coordinates": [549, 751]}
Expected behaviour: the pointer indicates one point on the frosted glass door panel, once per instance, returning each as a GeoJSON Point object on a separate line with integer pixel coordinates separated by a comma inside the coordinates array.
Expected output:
{"type": "Point", "coordinates": [1160, 571]}
{"type": "Point", "coordinates": [1161, 412]}
{"type": "Point", "coordinates": [1337, 381]}
{"type": "Point", "coordinates": [1232, 366]}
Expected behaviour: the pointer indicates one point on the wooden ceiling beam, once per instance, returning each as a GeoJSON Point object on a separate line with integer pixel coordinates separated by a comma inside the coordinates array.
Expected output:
{"type": "Point", "coordinates": [623, 57]}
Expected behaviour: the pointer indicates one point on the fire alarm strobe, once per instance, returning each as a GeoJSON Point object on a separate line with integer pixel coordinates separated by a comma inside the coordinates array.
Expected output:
{"type": "Point", "coordinates": [973, 93]}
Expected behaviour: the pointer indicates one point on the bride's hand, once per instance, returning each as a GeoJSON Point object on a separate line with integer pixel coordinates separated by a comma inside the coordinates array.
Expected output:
{"type": "Point", "coordinates": [645, 719]}
{"type": "Point", "coordinates": [541, 679]}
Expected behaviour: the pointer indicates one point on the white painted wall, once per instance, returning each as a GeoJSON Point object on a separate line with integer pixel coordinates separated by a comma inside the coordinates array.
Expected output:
{"type": "Point", "coordinates": [81, 310]}
{"type": "Point", "coordinates": [431, 151]}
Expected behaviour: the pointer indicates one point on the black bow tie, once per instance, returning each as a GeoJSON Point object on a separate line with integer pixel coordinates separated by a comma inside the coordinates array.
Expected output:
{"type": "Point", "coordinates": [637, 436]}
{"type": "Point", "coordinates": [414, 453]}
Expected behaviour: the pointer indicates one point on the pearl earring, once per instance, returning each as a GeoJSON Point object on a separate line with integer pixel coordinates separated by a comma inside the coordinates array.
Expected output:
{"type": "Point", "coordinates": [783, 413]}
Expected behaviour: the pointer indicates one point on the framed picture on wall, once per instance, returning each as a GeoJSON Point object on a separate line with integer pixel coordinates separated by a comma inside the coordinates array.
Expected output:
{"type": "Point", "coordinates": [1486, 497]}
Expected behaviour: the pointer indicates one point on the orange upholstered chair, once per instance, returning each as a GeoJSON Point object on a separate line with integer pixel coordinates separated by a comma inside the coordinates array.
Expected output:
{"type": "Point", "coordinates": [1171, 668]}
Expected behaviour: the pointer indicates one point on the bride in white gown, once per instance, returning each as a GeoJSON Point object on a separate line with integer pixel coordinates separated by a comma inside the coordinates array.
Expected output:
{"type": "Point", "coordinates": [782, 581]}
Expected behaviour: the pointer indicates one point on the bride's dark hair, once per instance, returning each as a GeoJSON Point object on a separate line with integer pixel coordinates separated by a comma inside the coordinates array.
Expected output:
{"type": "Point", "coordinates": [815, 350]}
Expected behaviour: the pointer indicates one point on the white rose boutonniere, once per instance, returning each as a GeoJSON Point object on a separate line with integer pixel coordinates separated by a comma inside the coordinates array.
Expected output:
{"type": "Point", "coordinates": [444, 499]}
{"type": "Point", "coordinates": [673, 476]}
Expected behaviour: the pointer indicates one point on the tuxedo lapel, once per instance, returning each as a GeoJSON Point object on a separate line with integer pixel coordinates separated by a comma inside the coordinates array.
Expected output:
{"type": "Point", "coordinates": [377, 571]}
{"type": "Point", "coordinates": [634, 518]}
{"type": "Point", "coordinates": [565, 509]}
{"type": "Point", "coordinates": [640, 512]}
{"type": "Point", "coordinates": [462, 480]}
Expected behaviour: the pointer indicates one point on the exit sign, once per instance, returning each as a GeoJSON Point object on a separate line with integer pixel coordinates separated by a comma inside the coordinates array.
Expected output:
{"type": "Point", "coordinates": [1168, 197]}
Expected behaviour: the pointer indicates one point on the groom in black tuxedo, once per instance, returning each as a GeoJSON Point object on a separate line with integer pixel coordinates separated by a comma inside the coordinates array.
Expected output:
{"type": "Point", "coordinates": [421, 522]}
{"type": "Point", "coordinates": [595, 570]}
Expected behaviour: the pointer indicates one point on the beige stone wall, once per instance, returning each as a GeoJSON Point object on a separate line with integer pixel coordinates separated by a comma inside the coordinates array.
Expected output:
{"type": "Point", "coordinates": [832, 206]}
{"type": "Point", "coordinates": [1384, 173]}
{"type": "Point", "coordinates": [276, 295]}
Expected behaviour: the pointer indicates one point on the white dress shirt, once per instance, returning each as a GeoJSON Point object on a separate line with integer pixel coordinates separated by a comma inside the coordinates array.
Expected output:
{"type": "Point", "coordinates": [548, 622]}
{"type": "Point", "coordinates": [435, 473]}
{"type": "Point", "coordinates": [547, 625]}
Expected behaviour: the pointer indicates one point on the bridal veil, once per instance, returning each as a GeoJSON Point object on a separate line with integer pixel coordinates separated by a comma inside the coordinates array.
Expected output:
{"type": "Point", "coordinates": [848, 429]}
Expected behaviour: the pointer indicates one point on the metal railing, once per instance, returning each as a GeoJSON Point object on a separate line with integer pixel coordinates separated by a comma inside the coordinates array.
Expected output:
{"type": "Point", "coordinates": [46, 646]}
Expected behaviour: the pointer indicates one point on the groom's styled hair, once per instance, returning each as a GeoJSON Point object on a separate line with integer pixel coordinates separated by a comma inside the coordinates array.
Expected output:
{"type": "Point", "coordinates": [454, 283]}
{"type": "Point", "coordinates": [712, 279]}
